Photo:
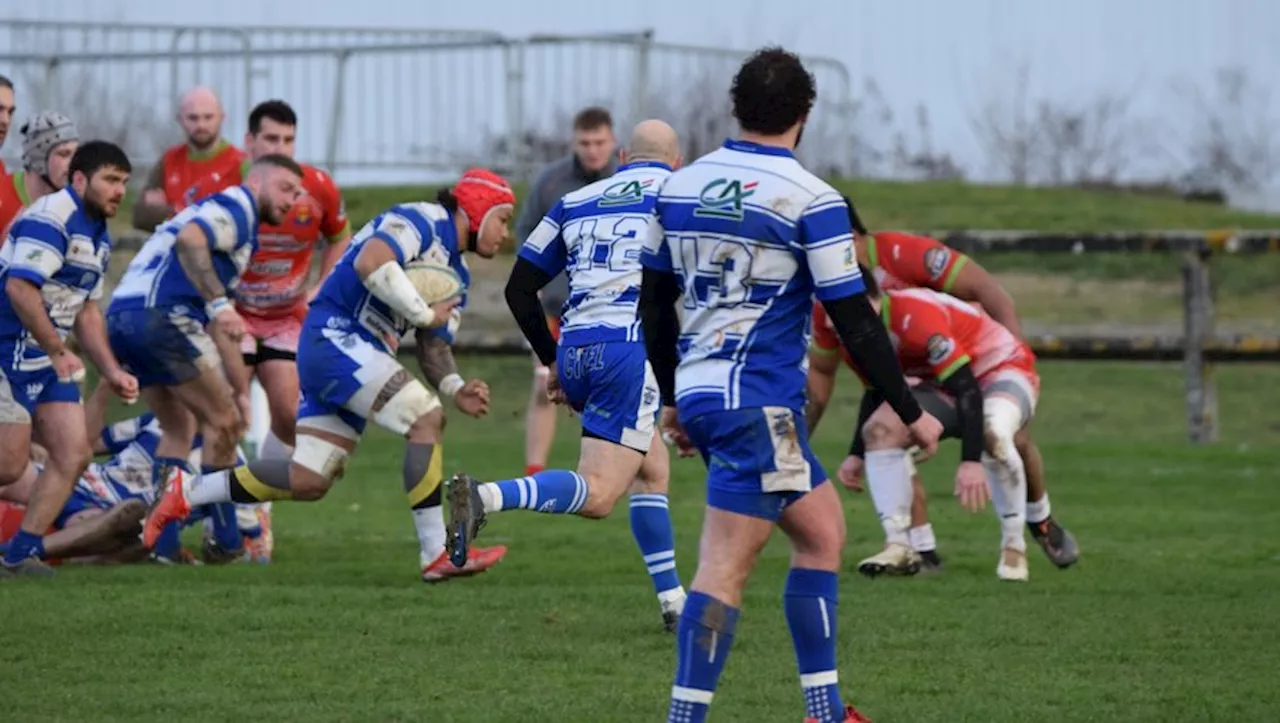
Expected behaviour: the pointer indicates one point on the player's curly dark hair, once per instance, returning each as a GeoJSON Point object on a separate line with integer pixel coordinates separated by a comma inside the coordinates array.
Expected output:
{"type": "Point", "coordinates": [445, 198]}
{"type": "Point", "coordinates": [772, 92]}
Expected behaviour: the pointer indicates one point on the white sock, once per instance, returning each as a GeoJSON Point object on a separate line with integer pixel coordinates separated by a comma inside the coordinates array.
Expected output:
{"type": "Point", "coordinates": [208, 489]}
{"type": "Point", "coordinates": [1008, 483]}
{"type": "Point", "coordinates": [491, 496]}
{"type": "Point", "coordinates": [273, 448]}
{"type": "Point", "coordinates": [922, 539]}
{"type": "Point", "coordinates": [429, 522]}
{"type": "Point", "coordinates": [1039, 511]}
{"type": "Point", "coordinates": [889, 479]}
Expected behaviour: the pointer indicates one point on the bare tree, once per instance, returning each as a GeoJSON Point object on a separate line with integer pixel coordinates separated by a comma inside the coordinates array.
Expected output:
{"type": "Point", "coordinates": [1009, 134]}
{"type": "Point", "coordinates": [1234, 142]}
{"type": "Point", "coordinates": [922, 161]}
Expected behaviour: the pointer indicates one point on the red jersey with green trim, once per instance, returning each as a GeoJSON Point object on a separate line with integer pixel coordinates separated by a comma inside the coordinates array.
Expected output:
{"type": "Point", "coordinates": [935, 334]}
{"type": "Point", "coordinates": [274, 285]}
{"type": "Point", "coordinates": [906, 261]}
{"type": "Point", "coordinates": [182, 170]}
{"type": "Point", "coordinates": [13, 198]}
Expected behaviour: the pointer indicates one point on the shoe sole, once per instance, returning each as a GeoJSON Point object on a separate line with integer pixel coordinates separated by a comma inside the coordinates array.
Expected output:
{"type": "Point", "coordinates": [875, 569]}
{"type": "Point", "coordinates": [461, 520]}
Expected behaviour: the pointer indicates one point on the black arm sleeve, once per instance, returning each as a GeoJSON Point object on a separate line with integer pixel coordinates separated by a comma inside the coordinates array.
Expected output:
{"type": "Point", "coordinates": [522, 298]}
{"type": "Point", "coordinates": [964, 387]}
{"type": "Point", "coordinates": [661, 326]}
{"type": "Point", "coordinates": [871, 400]}
{"type": "Point", "coordinates": [867, 341]}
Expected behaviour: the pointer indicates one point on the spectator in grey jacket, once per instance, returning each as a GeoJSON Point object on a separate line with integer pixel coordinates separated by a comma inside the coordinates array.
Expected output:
{"type": "Point", "coordinates": [593, 158]}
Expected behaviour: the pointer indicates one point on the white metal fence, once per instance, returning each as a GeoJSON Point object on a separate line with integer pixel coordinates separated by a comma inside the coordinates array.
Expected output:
{"type": "Point", "coordinates": [394, 102]}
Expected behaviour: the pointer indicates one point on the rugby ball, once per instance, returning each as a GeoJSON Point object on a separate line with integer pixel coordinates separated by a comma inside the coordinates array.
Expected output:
{"type": "Point", "coordinates": [434, 283]}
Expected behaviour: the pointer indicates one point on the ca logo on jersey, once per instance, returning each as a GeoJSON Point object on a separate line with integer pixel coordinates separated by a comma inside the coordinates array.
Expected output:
{"type": "Point", "coordinates": [723, 198]}
{"type": "Point", "coordinates": [624, 193]}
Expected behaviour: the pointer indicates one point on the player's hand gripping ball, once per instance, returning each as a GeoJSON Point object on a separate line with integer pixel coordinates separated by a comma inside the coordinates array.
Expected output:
{"type": "Point", "coordinates": [434, 283]}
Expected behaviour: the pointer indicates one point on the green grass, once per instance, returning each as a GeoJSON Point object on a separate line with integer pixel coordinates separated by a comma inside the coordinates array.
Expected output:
{"type": "Point", "coordinates": [1170, 614]}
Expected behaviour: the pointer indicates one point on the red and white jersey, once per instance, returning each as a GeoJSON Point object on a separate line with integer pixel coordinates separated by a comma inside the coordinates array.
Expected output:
{"type": "Point", "coordinates": [906, 261]}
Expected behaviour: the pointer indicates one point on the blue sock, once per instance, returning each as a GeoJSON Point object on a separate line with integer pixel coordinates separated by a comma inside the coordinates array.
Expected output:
{"type": "Point", "coordinates": [225, 530]}
{"type": "Point", "coordinates": [810, 605]}
{"type": "Point", "coordinates": [555, 491]}
{"type": "Point", "coordinates": [23, 545]}
{"type": "Point", "coordinates": [651, 526]}
{"type": "Point", "coordinates": [705, 623]}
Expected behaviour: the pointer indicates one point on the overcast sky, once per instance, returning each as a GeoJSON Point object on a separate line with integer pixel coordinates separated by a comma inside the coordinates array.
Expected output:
{"type": "Point", "coordinates": [949, 56]}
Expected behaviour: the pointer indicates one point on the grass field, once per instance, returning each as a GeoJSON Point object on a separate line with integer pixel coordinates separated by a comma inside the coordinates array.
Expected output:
{"type": "Point", "coordinates": [1170, 616]}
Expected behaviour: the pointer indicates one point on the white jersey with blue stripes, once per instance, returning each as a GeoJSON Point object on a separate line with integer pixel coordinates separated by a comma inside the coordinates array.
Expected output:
{"type": "Point", "coordinates": [58, 246]}
{"type": "Point", "coordinates": [155, 278]}
{"type": "Point", "coordinates": [413, 231]}
{"type": "Point", "coordinates": [595, 235]}
{"type": "Point", "coordinates": [752, 238]}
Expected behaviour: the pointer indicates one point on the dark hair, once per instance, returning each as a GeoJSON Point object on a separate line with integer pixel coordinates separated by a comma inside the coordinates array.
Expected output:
{"type": "Point", "coordinates": [279, 160]}
{"type": "Point", "coordinates": [276, 110]}
{"type": "Point", "coordinates": [869, 280]}
{"type": "Point", "coordinates": [854, 220]}
{"type": "Point", "coordinates": [589, 119]}
{"type": "Point", "coordinates": [93, 156]}
{"type": "Point", "coordinates": [772, 92]}
{"type": "Point", "coordinates": [5, 82]}
{"type": "Point", "coordinates": [445, 198]}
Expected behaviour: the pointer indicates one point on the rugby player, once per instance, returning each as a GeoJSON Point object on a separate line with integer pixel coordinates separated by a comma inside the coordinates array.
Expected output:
{"type": "Point", "coordinates": [172, 324]}
{"type": "Point", "coordinates": [273, 294]}
{"type": "Point", "coordinates": [170, 186]}
{"type": "Point", "coordinates": [52, 269]}
{"type": "Point", "coordinates": [750, 237]}
{"type": "Point", "coordinates": [902, 261]}
{"type": "Point", "coordinates": [981, 382]}
{"type": "Point", "coordinates": [350, 374]}
{"type": "Point", "coordinates": [49, 140]}
{"type": "Point", "coordinates": [592, 159]}
{"type": "Point", "coordinates": [8, 106]}
{"type": "Point", "coordinates": [594, 235]}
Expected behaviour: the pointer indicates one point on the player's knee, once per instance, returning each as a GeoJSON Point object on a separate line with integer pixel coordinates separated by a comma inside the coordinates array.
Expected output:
{"type": "Point", "coordinates": [71, 460]}
{"type": "Point", "coordinates": [881, 433]}
{"type": "Point", "coordinates": [1001, 421]}
{"type": "Point", "coordinates": [308, 486]}
{"type": "Point", "coordinates": [317, 464]}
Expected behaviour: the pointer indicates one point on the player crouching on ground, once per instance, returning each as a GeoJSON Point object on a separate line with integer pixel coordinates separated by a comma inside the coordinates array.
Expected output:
{"type": "Point", "coordinates": [982, 385]}
{"type": "Point", "coordinates": [349, 373]}
{"type": "Point", "coordinates": [908, 261]}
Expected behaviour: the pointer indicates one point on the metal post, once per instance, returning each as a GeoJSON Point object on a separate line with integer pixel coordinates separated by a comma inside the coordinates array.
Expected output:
{"type": "Point", "coordinates": [335, 120]}
{"type": "Point", "coordinates": [1201, 392]}
{"type": "Point", "coordinates": [640, 93]}
{"type": "Point", "coordinates": [513, 57]}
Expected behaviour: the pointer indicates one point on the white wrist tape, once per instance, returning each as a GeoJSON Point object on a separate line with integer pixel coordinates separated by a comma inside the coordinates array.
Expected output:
{"type": "Point", "coordinates": [217, 306]}
{"type": "Point", "coordinates": [450, 385]}
{"type": "Point", "coordinates": [390, 284]}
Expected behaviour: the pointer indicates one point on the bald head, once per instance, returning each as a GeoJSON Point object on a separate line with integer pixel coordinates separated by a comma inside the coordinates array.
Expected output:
{"type": "Point", "coordinates": [653, 140]}
{"type": "Point", "coordinates": [200, 114]}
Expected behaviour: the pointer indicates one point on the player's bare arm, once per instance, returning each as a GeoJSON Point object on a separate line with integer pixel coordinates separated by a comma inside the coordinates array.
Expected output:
{"type": "Point", "coordinates": [974, 283]}
{"type": "Point", "coordinates": [152, 209]}
{"type": "Point", "coordinates": [91, 333]}
{"type": "Point", "coordinates": [821, 383]}
{"type": "Point", "coordinates": [197, 262]}
{"type": "Point", "coordinates": [28, 304]}
{"type": "Point", "coordinates": [971, 483]}
{"type": "Point", "coordinates": [435, 357]}
{"type": "Point", "coordinates": [378, 269]}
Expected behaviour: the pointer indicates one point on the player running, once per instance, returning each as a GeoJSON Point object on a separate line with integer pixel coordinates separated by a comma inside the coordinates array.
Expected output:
{"type": "Point", "coordinates": [49, 140]}
{"type": "Point", "coordinates": [52, 268]}
{"type": "Point", "coordinates": [273, 294]}
{"type": "Point", "coordinates": [350, 374]}
{"type": "Point", "coordinates": [750, 238]}
{"type": "Point", "coordinates": [983, 383]}
{"type": "Point", "coordinates": [172, 324]}
{"type": "Point", "coordinates": [902, 261]}
{"type": "Point", "coordinates": [204, 154]}
{"type": "Point", "coordinates": [595, 236]}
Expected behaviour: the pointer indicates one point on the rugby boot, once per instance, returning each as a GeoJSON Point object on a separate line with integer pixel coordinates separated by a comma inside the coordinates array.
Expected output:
{"type": "Point", "coordinates": [894, 559]}
{"type": "Point", "coordinates": [258, 549]}
{"type": "Point", "coordinates": [1058, 544]}
{"type": "Point", "coordinates": [466, 517]}
{"type": "Point", "coordinates": [930, 563]}
{"type": "Point", "coordinates": [30, 567]}
{"type": "Point", "coordinates": [671, 610]}
{"type": "Point", "coordinates": [851, 715]}
{"type": "Point", "coordinates": [479, 559]}
{"type": "Point", "coordinates": [214, 554]}
{"type": "Point", "coordinates": [1013, 566]}
{"type": "Point", "coordinates": [171, 507]}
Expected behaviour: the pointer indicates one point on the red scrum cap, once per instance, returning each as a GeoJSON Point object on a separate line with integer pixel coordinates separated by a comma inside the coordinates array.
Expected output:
{"type": "Point", "coordinates": [480, 192]}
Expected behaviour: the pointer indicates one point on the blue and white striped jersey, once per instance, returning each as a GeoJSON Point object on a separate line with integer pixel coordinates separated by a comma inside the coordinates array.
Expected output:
{"type": "Point", "coordinates": [155, 278]}
{"type": "Point", "coordinates": [752, 237]}
{"type": "Point", "coordinates": [127, 474]}
{"type": "Point", "coordinates": [413, 231]}
{"type": "Point", "coordinates": [595, 235]}
{"type": "Point", "coordinates": [56, 245]}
